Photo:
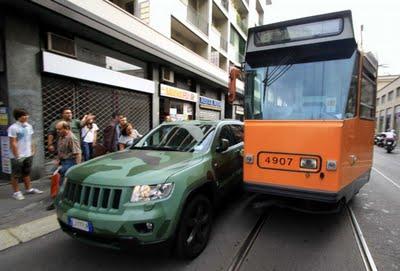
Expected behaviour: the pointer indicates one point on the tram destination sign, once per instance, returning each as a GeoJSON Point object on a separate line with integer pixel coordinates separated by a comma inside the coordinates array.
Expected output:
{"type": "Point", "coordinates": [299, 32]}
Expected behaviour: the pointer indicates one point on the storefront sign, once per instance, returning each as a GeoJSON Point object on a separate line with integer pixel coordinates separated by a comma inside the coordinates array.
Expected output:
{"type": "Point", "coordinates": [177, 93]}
{"type": "Point", "coordinates": [239, 110]}
{"type": "Point", "coordinates": [209, 103]}
{"type": "Point", "coordinates": [65, 66]}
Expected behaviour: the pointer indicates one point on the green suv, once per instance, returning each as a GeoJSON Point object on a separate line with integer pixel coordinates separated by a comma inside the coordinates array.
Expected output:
{"type": "Point", "coordinates": [164, 188]}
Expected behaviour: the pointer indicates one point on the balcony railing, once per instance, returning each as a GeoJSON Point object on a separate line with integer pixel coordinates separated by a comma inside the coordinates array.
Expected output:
{"type": "Point", "coordinates": [239, 57]}
{"type": "Point", "coordinates": [223, 43]}
{"type": "Point", "coordinates": [195, 18]}
{"type": "Point", "coordinates": [243, 24]}
{"type": "Point", "coordinates": [217, 39]}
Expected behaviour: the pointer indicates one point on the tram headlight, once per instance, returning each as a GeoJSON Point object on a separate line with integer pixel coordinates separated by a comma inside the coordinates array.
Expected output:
{"type": "Point", "coordinates": [308, 163]}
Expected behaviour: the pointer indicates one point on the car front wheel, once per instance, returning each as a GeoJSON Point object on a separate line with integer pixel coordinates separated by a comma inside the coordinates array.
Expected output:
{"type": "Point", "coordinates": [194, 228]}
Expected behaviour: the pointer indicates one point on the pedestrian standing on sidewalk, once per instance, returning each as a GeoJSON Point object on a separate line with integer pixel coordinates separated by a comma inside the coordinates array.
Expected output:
{"type": "Point", "coordinates": [112, 132]}
{"type": "Point", "coordinates": [68, 150]}
{"type": "Point", "coordinates": [89, 139]}
{"type": "Point", "coordinates": [21, 155]}
{"type": "Point", "coordinates": [75, 124]}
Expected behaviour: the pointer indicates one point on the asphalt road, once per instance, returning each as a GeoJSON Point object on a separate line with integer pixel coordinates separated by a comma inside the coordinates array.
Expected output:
{"type": "Point", "coordinates": [288, 240]}
{"type": "Point", "coordinates": [377, 208]}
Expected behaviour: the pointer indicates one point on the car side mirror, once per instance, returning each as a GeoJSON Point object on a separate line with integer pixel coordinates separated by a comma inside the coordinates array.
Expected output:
{"type": "Point", "coordinates": [223, 145]}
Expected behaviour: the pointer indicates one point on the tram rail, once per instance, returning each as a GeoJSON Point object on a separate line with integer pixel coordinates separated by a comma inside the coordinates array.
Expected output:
{"type": "Point", "coordinates": [251, 238]}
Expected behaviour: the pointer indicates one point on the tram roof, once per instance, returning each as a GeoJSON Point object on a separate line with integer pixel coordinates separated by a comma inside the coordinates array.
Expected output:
{"type": "Point", "coordinates": [328, 35]}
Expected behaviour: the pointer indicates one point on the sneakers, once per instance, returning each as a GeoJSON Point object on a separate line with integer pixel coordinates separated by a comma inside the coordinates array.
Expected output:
{"type": "Point", "coordinates": [18, 195]}
{"type": "Point", "coordinates": [33, 191]}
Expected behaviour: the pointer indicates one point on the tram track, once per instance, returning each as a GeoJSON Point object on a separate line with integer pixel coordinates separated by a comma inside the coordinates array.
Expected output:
{"type": "Point", "coordinates": [247, 244]}
{"type": "Point", "coordinates": [251, 238]}
{"type": "Point", "coordinates": [361, 243]}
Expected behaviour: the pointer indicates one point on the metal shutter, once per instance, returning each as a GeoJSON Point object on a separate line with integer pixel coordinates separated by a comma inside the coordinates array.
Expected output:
{"type": "Point", "coordinates": [84, 97]}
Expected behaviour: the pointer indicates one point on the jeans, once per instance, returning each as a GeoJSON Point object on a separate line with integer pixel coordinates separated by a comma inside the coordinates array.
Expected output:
{"type": "Point", "coordinates": [87, 149]}
{"type": "Point", "coordinates": [65, 165]}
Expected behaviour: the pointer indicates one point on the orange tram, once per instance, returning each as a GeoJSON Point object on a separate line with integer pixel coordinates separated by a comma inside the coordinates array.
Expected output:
{"type": "Point", "coordinates": [309, 109]}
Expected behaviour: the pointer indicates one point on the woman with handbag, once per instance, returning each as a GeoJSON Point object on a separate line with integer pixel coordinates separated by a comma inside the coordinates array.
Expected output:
{"type": "Point", "coordinates": [89, 139]}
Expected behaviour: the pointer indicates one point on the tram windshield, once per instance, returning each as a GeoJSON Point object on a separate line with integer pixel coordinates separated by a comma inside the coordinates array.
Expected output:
{"type": "Point", "coordinates": [290, 90]}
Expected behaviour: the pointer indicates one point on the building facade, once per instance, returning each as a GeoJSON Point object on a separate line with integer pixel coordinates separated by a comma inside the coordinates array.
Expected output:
{"type": "Point", "coordinates": [384, 80]}
{"type": "Point", "coordinates": [145, 59]}
{"type": "Point", "coordinates": [215, 30]}
{"type": "Point", "coordinates": [388, 107]}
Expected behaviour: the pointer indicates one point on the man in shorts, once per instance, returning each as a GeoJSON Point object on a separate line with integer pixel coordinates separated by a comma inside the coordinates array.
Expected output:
{"type": "Point", "coordinates": [21, 155]}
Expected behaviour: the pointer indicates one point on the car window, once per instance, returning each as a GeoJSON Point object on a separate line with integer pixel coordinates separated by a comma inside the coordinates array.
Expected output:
{"type": "Point", "coordinates": [226, 133]}
{"type": "Point", "coordinates": [237, 131]}
{"type": "Point", "coordinates": [177, 137]}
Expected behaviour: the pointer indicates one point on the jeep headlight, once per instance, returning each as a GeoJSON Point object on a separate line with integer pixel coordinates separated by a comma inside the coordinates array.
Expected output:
{"type": "Point", "coordinates": [151, 192]}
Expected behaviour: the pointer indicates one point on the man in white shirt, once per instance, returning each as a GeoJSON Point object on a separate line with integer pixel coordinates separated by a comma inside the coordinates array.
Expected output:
{"type": "Point", "coordinates": [22, 151]}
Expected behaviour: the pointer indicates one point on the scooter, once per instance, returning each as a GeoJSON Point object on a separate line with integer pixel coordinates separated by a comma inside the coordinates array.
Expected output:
{"type": "Point", "coordinates": [379, 140]}
{"type": "Point", "coordinates": [390, 144]}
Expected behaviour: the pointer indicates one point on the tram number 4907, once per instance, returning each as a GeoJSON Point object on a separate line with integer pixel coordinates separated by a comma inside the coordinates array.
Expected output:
{"type": "Point", "coordinates": [278, 160]}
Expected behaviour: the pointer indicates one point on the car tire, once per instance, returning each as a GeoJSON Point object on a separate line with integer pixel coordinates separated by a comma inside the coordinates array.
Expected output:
{"type": "Point", "coordinates": [194, 227]}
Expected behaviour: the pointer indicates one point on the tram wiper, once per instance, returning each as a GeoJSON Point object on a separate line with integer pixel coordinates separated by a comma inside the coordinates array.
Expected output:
{"type": "Point", "coordinates": [277, 72]}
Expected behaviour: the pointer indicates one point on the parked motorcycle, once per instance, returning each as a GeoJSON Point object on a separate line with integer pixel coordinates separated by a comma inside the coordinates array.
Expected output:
{"type": "Point", "coordinates": [390, 144]}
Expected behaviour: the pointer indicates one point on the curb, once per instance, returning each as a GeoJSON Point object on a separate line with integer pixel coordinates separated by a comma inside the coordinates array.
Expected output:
{"type": "Point", "coordinates": [26, 232]}
{"type": "Point", "coordinates": [7, 182]}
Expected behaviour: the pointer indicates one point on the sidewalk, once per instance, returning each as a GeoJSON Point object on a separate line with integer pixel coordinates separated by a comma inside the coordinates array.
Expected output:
{"type": "Point", "coordinates": [21, 221]}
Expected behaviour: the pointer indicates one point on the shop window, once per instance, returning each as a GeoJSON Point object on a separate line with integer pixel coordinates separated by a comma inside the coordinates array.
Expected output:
{"type": "Point", "coordinates": [178, 106]}
{"type": "Point", "coordinates": [367, 106]}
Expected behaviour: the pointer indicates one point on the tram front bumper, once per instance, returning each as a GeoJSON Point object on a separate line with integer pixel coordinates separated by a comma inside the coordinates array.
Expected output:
{"type": "Point", "coordinates": [289, 192]}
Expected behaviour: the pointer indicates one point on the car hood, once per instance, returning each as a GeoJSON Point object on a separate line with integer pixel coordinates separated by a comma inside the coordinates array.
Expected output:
{"type": "Point", "coordinates": [132, 167]}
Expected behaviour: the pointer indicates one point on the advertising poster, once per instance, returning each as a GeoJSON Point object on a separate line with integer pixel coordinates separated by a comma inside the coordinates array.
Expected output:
{"type": "Point", "coordinates": [5, 150]}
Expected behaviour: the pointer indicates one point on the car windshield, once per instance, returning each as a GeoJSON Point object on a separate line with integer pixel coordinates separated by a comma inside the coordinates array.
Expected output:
{"type": "Point", "coordinates": [178, 137]}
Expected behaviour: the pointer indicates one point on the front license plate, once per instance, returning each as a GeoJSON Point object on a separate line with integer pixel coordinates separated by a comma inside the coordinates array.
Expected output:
{"type": "Point", "coordinates": [285, 161]}
{"type": "Point", "coordinates": [80, 224]}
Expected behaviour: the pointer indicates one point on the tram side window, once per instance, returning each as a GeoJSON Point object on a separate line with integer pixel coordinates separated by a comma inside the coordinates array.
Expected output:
{"type": "Point", "coordinates": [352, 99]}
{"type": "Point", "coordinates": [367, 105]}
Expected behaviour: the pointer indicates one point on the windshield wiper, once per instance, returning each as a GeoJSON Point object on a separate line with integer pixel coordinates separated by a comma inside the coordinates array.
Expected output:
{"type": "Point", "coordinates": [279, 70]}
